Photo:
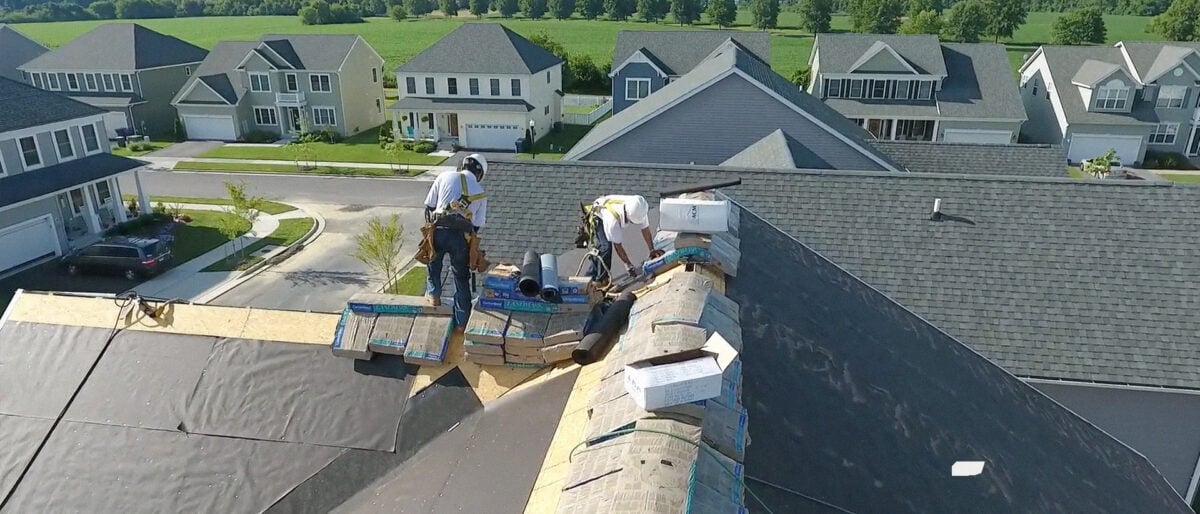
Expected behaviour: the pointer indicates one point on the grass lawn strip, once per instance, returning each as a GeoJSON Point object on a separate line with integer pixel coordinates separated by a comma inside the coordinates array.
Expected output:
{"type": "Point", "coordinates": [231, 167]}
{"type": "Point", "coordinates": [363, 147]}
{"type": "Point", "coordinates": [1180, 178]}
{"type": "Point", "coordinates": [411, 284]}
{"type": "Point", "coordinates": [289, 231]}
{"type": "Point", "coordinates": [268, 207]}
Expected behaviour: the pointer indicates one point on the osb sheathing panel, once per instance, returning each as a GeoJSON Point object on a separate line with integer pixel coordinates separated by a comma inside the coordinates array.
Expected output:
{"type": "Point", "coordinates": [489, 382]}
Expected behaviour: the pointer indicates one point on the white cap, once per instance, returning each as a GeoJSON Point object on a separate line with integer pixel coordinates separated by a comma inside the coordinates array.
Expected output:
{"type": "Point", "coordinates": [637, 210]}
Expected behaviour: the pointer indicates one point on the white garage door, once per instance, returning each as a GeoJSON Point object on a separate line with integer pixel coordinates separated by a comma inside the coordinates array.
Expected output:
{"type": "Point", "coordinates": [219, 128]}
{"type": "Point", "coordinates": [26, 242]}
{"type": "Point", "coordinates": [114, 120]}
{"type": "Point", "coordinates": [1090, 146]}
{"type": "Point", "coordinates": [493, 137]}
{"type": "Point", "coordinates": [992, 137]}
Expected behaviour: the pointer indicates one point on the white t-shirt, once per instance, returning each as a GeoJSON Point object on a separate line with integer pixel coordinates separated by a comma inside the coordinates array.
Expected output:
{"type": "Point", "coordinates": [613, 225]}
{"type": "Point", "coordinates": [447, 188]}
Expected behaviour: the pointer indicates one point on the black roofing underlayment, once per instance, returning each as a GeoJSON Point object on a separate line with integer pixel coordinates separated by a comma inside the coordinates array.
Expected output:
{"type": "Point", "coordinates": [861, 404]}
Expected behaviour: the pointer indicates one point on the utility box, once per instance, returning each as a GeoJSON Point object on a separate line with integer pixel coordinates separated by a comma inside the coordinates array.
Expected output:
{"type": "Point", "coordinates": [658, 386]}
{"type": "Point", "coordinates": [699, 216]}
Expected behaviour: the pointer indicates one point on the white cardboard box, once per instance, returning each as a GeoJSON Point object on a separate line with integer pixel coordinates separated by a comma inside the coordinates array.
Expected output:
{"type": "Point", "coordinates": [702, 216]}
{"type": "Point", "coordinates": [667, 385]}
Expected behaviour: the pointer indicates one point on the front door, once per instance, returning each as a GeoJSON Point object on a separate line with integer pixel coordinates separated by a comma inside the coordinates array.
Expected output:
{"type": "Point", "coordinates": [452, 124]}
{"type": "Point", "coordinates": [292, 117]}
{"type": "Point", "coordinates": [1194, 147]}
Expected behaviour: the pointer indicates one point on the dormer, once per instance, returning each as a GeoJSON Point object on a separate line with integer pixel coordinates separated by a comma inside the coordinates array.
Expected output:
{"type": "Point", "coordinates": [879, 72]}
{"type": "Point", "coordinates": [1104, 86]}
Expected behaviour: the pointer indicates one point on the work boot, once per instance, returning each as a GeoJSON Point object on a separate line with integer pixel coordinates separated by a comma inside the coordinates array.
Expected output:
{"type": "Point", "coordinates": [433, 301]}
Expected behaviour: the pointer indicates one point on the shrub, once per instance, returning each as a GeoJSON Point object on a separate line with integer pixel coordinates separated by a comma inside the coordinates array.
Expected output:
{"type": "Point", "coordinates": [1166, 161]}
{"type": "Point", "coordinates": [423, 147]}
{"type": "Point", "coordinates": [259, 136]}
{"type": "Point", "coordinates": [407, 146]}
{"type": "Point", "coordinates": [318, 136]}
{"type": "Point", "coordinates": [389, 80]}
{"type": "Point", "coordinates": [385, 135]}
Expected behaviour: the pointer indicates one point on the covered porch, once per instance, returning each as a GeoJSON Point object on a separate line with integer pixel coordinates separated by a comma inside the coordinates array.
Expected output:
{"type": "Point", "coordinates": [895, 129]}
{"type": "Point", "coordinates": [91, 209]}
{"type": "Point", "coordinates": [479, 123]}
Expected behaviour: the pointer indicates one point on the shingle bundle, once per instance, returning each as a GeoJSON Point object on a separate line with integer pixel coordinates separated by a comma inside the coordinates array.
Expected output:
{"type": "Point", "coordinates": [396, 325]}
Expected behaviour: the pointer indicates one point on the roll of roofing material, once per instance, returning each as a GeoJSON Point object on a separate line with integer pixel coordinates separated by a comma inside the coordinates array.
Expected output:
{"type": "Point", "coordinates": [531, 273]}
{"type": "Point", "coordinates": [596, 342]}
{"type": "Point", "coordinates": [550, 291]}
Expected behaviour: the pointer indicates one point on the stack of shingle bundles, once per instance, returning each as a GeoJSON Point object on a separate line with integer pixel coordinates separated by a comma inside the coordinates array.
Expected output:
{"type": "Point", "coordinates": [524, 338]}
{"type": "Point", "coordinates": [483, 339]}
{"type": "Point", "coordinates": [390, 334]}
{"type": "Point", "coordinates": [429, 340]}
{"type": "Point", "coordinates": [385, 323]}
{"type": "Point", "coordinates": [500, 285]}
{"type": "Point", "coordinates": [563, 334]}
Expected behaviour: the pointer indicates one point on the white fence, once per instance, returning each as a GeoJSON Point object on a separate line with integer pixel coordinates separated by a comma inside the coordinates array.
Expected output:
{"type": "Point", "coordinates": [603, 106]}
{"type": "Point", "coordinates": [583, 100]}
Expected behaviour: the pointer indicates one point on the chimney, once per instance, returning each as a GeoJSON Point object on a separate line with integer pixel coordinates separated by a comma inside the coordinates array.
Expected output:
{"type": "Point", "coordinates": [936, 215]}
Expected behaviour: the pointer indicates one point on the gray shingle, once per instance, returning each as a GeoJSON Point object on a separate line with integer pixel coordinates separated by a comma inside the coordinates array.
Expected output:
{"type": "Point", "coordinates": [481, 48]}
{"type": "Point", "coordinates": [22, 106]}
{"type": "Point", "coordinates": [18, 50]}
{"type": "Point", "coordinates": [317, 52]}
{"type": "Point", "coordinates": [219, 70]}
{"type": "Point", "coordinates": [33, 184]}
{"type": "Point", "coordinates": [773, 151]}
{"type": "Point", "coordinates": [1153, 57]}
{"type": "Point", "coordinates": [973, 158]}
{"type": "Point", "coordinates": [839, 52]}
{"type": "Point", "coordinates": [1065, 61]}
{"type": "Point", "coordinates": [1092, 71]}
{"type": "Point", "coordinates": [119, 47]}
{"type": "Point", "coordinates": [679, 51]}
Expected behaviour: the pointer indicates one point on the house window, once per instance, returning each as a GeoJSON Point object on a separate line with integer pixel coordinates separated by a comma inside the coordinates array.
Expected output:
{"type": "Point", "coordinates": [856, 88]}
{"type": "Point", "coordinates": [52, 80]}
{"type": "Point", "coordinates": [319, 84]}
{"type": "Point", "coordinates": [378, 106]}
{"type": "Point", "coordinates": [187, 71]}
{"type": "Point", "coordinates": [902, 89]}
{"type": "Point", "coordinates": [429, 86]}
{"type": "Point", "coordinates": [452, 86]}
{"type": "Point", "coordinates": [547, 110]}
{"type": "Point", "coordinates": [637, 89]}
{"type": "Point", "coordinates": [103, 193]}
{"type": "Point", "coordinates": [37, 81]}
{"type": "Point", "coordinates": [1171, 97]}
{"type": "Point", "coordinates": [73, 82]}
{"type": "Point", "coordinates": [1164, 134]}
{"type": "Point", "coordinates": [879, 89]}
{"type": "Point", "coordinates": [260, 82]}
{"type": "Point", "coordinates": [290, 83]}
{"type": "Point", "coordinates": [265, 116]}
{"type": "Point", "coordinates": [925, 90]}
{"type": "Point", "coordinates": [323, 116]}
{"type": "Point", "coordinates": [91, 143]}
{"type": "Point", "coordinates": [473, 84]}
{"type": "Point", "coordinates": [29, 153]}
{"type": "Point", "coordinates": [516, 87]}
{"type": "Point", "coordinates": [914, 130]}
{"type": "Point", "coordinates": [108, 82]}
{"type": "Point", "coordinates": [410, 85]}
{"type": "Point", "coordinates": [374, 75]}
{"type": "Point", "coordinates": [547, 77]}
{"type": "Point", "coordinates": [495, 83]}
{"type": "Point", "coordinates": [127, 83]}
{"type": "Point", "coordinates": [833, 88]}
{"type": "Point", "coordinates": [1112, 98]}
{"type": "Point", "coordinates": [89, 80]}
{"type": "Point", "coordinates": [62, 143]}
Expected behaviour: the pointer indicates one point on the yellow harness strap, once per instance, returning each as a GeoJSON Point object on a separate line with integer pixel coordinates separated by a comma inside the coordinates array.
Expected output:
{"type": "Point", "coordinates": [468, 198]}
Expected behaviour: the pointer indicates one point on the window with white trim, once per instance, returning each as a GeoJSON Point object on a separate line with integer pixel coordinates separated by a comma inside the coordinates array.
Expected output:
{"type": "Point", "coordinates": [637, 89]}
{"type": "Point", "coordinates": [29, 153]}
{"type": "Point", "coordinates": [430, 87]}
{"type": "Point", "coordinates": [126, 83]}
{"type": "Point", "coordinates": [52, 80]}
{"type": "Point", "coordinates": [109, 85]}
{"type": "Point", "coordinates": [91, 142]}
{"type": "Point", "coordinates": [1171, 97]}
{"type": "Point", "coordinates": [62, 143]}
{"type": "Point", "coordinates": [925, 90]}
{"type": "Point", "coordinates": [73, 82]}
{"type": "Point", "coordinates": [516, 87]}
{"type": "Point", "coordinates": [451, 86]}
{"type": "Point", "coordinates": [260, 82]}
{"type": "Point", "coordinates": [856, 88]}
{"type": "Point", "coordinates": [833, 88]}
{"type": "Point", "coordinates": [1112, 98]}
{"type": "Point", "coordinates": [265, 116]}
{"type": "Point", "coordinates": [89, 80]}
{"type": "Point", "coordinates": [1164, 134]}
{"type": "Point", "coordinates": [495, 83]}
{"type": "Point", "coordinates": [473, 85]}
{"type": "Point", "coordinates": [879, 89]}
{"type": "Point", "coordinates": [103, 192]}
{"type": "Point", "coordinates": [37, 81]}
{"type": "Point", "coordinates": [323, 116]}
{"type": "Point", "coordinates": [903, 89]}
{"type": "Point", "coordinates": [290, 83]}
{"type": "Point", "coordinates": [410, 85]}
{"type": "Point", "coordinates": [319, 83]}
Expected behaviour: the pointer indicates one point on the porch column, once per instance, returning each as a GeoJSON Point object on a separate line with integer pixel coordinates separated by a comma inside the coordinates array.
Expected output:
{"type": "Point", "coordinates": [119, 199]}
{"type": "Point", "coordinates": [396, 126]}
{"type": "Point", "coordinates": [935, 131]}
{"type": "Point", "coordinates": [89, 209]}
{"type": "Point", "coordinates": [895, 123]}
{"type": "Point", "coordinates": [143, 200]}
{"type": "Point", "coordinates": [436, 136]}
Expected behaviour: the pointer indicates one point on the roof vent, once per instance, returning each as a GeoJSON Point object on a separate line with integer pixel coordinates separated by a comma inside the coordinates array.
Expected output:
{"type": "Point", "coordinates": [937, 210]}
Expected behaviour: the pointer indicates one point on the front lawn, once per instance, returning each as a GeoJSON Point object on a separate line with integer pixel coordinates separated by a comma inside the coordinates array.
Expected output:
{"type": "Point", "coordinates": [229, 167]}
{"type": "Point", "coordinates": [289, 231]}
{"type": "Point", "coordinates": [361, 148]}
{"type": "Point", "coordinates": [198, 236]}
{"type": "Point", "coordinates": [268, 207]}
{"type": "Point", "coordinates": [142, 148]}
{"type": "Point", "coordinates": [1181, 179]}
{"type": "Point", "coordinates": [411, 284]}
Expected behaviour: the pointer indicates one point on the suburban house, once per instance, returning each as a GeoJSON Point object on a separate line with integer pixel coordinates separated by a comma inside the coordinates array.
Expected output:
{"type": "Point", "coordinates": [58, 187]}
{"type": "Point", "coordinates": [915, 88]}
{"type": "Point", "coordinates": [482, 86]}
{"type": "Point", "coordinates": [725, 104]}
{"type": "Point", "coordinates": [1132, 97]}
{"type": "Point", "coordinates": [18, 50]}
{"type": "Point", "coordinates": [282, 84]}
{"type": "Point", "coordinates": [126, 69]}
{"type": "Point", "coordinates": [646, 60]}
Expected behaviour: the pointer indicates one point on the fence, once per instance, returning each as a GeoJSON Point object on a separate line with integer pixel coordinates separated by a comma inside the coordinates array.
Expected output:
{"type": "Point", "coordinates": [603, 106]}
{"type": "Point", "coordinates": [583, 100]}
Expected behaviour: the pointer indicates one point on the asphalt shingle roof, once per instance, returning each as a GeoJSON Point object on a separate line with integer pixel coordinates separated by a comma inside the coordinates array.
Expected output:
{"type": "Point", "coordinates": [1080, 280]}
{"type": "Point", "coordinates": [18, 49]}
{"type": "Point", "coordinates": [975, 158]}
{"type": "Point", "coordinates": [119, 47]}
{"type": "Point", "coordinates": [1065, 61]}
{"type": "Point", "coordinates": [1152, 57]}
{"type": "Point", "coordinates": [23, 106]}
{"type": "Point", "coordinates": [776, 150]}
{"type": "Point", "coordinates": [219, 70]}
{"type": "Point", "coordinates": [1092, 71]}
{"type": "Point", "coordinates": [839, 52]}
{"type": "Point", "coordinates": [317, 52]}
{"type": "Point", "coordinates": [33, 184]}
{"type": "Point", "coordinates": [481, 48]}
{"type": "Point", "coordinates": [679, 51]}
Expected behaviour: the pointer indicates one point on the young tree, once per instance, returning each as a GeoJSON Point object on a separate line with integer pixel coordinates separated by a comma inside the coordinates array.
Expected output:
{"type": "Point", "coordinates": [1101, 166]}
{"type": "Point", "coordinates": [534, 9]}
{"type": "Point", "coordinates": [479, 8]}
{"type": "Point", "coordinates": [419, 7]}
{"type": "Point", "coordinates": [721, 13]}
{"type": "Point", "coordinates": [507, 8]}
{"type": "Point", "coordinates": [379, 246]}
{"type": "Point", "coordinates": [1005, 17]}
{"type": "Point", "coordinates": [966, 21]}
{"type": "Point", "coordinates": [590, 9]}
{"type": "Point", "coordinates": [448, 7]}
{"type": "Point", "coordinates": [816, 15]}
{"type": "Point", "coordinates": [619, 10]}
{"type": "Point", "coordinates": [801, 77]}
{"type": "Point", "coordinates": [1180, 22]}
{"type": "Point", "coordinates": [765, 13]}
{"type": "Point", "coordinates": [398, 12]}
{"type": "Point", "coordinates": [652, 10]}
{"type": "Point", "coordinates": [243, 211]}
{"type": "Point", "coordinates": [876, 16]}
{"type": "Point", "coordinates": [1078, 27]}
{"type": "Point", "coordinates": [685, 12]}
{"type": "Point", "coordinates": [561, 9]}
{"type": "Point", "coordinates": [924, 22]}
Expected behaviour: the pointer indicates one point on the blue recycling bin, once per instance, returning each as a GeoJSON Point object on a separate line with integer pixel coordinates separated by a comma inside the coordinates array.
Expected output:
{"type": "Point", "coordinates": [520, 144]}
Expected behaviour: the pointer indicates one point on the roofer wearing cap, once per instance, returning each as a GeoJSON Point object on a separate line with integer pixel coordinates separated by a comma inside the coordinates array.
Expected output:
{"type": "Point", "coordinates": [609, 215]}
{"type": "Point", "coordinates": [456, 208]}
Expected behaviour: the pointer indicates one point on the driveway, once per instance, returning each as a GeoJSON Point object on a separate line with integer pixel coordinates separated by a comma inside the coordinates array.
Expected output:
{"type": "Point", "coordinates": [186, 149]}
{"type": "Point", "coordinates": [49, 277]}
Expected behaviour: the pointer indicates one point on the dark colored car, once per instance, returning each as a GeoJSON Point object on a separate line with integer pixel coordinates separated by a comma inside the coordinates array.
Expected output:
{"type": "Point", "coordinates": [133, 257]}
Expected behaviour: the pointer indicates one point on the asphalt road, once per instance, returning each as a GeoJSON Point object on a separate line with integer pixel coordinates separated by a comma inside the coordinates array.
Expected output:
{"type": "Point", "coordinates": [312, 190]}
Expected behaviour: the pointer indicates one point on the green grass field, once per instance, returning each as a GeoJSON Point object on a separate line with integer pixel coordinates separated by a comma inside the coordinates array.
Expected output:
{"type": "Point", "coordinates": [399, 41]}
{"type": "Point", "coordinates": [411, 284]}
{"type": "Point", "coordinates": [363, 147]}
{"type": "Point", "coordinates": [268, 207]}
{"type": "Point", "coordinates": [228, 167]}
{"type": "Point", "coordinates": [289, 231]}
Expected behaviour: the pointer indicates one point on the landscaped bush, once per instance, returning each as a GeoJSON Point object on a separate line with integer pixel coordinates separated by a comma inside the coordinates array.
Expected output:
{"type": "Point", "coordinates": [1166, 161]}
{"type": "Point", "coordinates": [385, 135]}
{"type": "Point", "coordinates": [259, 136]}
{"type": "Point", "coordinates": [318, 136]}
{"type": "Point", "coordinates": [424, 147]}
{"type": "Point", "coordinates": [407, 146]}
{"type": "Point", "coordinates": [138, 223]}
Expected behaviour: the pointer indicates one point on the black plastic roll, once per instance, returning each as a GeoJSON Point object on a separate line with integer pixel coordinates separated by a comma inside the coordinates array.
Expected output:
{"type": "Point", "coordinates": [595, 344]}
{"type": "Point", "coordinates": [530, 283]}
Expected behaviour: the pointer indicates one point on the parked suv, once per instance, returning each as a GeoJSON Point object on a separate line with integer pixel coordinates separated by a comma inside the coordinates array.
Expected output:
{"type": "Point", "coordinates": [132, 257]}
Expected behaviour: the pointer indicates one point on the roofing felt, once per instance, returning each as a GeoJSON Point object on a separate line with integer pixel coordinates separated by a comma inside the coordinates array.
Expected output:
{"type": "Point", "coordinates": [463, 104]}
{"type": "Point", "coordinates": [976, 158]}
{"type": "Point", "coordinates": [1011, 270]}
{"type": "Point", "coordinates": [18, 49]}
{"type": "Point", "coordinates": [679, 51]}
{"type": "Point", "coordinates": [24, 106]}
{"type": "Point", "coordinates": [1065, 61]}
{"type": "Point", "coordinates": [481, 48]}
{"type": "Point", "coordinates": [838, 52]}
{"type": "Point", "coordinates": [26, 186]}
{"type": "Point", "coordinates": [119, 47]}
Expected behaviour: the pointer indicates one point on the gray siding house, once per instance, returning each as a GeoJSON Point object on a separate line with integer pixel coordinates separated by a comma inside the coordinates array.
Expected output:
{"type": "Point", "coordinates": [1132, 97]}
{"type": "Point", "coordinates": [17, 50]}
{"type": "Point", "coordinates": [915, 88]}
{"type": "Point", "coordinates": [58, 181]}
{"type": "Point", "coordinates": [126, 69]}
{"type": "Point", "coordinates": [646, 60]}
{"type": "Point", "coordinates": [284, 85]}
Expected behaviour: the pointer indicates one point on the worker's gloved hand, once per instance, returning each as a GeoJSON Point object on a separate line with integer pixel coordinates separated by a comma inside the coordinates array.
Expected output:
{"type": "Point", "coordinates": [631, 270]}
{"type": "Point", "coordinates": [656, 253]}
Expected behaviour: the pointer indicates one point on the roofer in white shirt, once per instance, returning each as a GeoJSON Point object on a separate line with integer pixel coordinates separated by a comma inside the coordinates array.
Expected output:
{"type": "Point", "coordinates": [606, 220]}
{"type": "Point", "coordinates": [457, 206]}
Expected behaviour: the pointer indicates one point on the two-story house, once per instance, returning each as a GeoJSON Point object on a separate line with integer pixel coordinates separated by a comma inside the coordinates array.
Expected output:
{"type": "Point", "coordinates": [17, 50]}
{"type": "Point", "coordinates": [1130, 97]}
{"type": "Point", "coordinates": [124, 68]}
{"type": "Point", "coordinates": [284, 85]}
{"type": "Point", "coordinates": [58, 181]}
{"type": "Point", "coordinates": [482, 86]}
{"type": "Point", "coordinates": [915, 88]}
{"type": "Point", "coordinates": [646, 60]}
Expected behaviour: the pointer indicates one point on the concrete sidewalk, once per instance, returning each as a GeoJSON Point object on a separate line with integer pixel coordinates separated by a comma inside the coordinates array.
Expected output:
{"type": "Point", "coordinates": [372, 165]}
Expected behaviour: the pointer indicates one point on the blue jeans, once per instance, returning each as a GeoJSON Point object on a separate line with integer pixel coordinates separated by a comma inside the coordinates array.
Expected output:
{"type": "Point", "coordinates": [602, 245]}
{"type": "Point", "coordinates": [452, 242]}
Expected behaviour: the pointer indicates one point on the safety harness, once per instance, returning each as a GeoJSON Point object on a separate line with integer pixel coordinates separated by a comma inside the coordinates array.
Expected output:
{"type": "Point", "coordinates": [590, 213]}
{"type": "Point", "coordinates": [458, 208]}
